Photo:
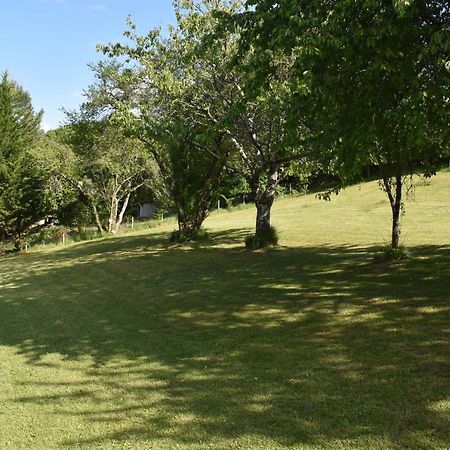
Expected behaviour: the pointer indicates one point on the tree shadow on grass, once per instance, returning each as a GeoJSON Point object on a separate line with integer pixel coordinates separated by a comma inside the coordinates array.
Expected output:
{"type": "Point", "coordinates": [302, 346]}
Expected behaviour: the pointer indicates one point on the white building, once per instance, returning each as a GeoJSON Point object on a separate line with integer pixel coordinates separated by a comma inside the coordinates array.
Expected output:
{"type": "Point", "coordinates": [146, 210]}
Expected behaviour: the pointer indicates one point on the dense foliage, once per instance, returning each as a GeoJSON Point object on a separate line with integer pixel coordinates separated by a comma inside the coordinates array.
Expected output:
{"type": "Point", "coordinates": [101, 164]}
{"type": "Point", "coordinates": [372, 76]}
{"type": "Point", "coordinates": [175, 108]}
{"type": "Point", "coordinates": [24, 197]}
{"type": "Point", "coordinates": [233, 98]}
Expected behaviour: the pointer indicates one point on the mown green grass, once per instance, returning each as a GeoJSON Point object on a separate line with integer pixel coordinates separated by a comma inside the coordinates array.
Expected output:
{"type": "Point", "coordinates": [134, 343]}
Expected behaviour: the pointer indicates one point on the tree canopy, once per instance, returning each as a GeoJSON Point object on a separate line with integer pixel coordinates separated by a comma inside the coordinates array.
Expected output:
{"type": "Point", "coordinates": [250, 91]}
{"type": "Point", "coordinates": [24, 197]}
{"type": "Point", "coordinates": [372, 78]}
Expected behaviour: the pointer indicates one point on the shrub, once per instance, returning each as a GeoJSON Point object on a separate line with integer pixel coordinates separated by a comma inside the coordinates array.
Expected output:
{"type": "Point", "coordinates": [56, 235]}
{"type": "Point", "coordinates": [181, 236]}
{"type": "Point", "coordinates": [159, 215]}
{"type": "Point", "coordinates": [268, 239]}
{"type": "Point", "coordinates": [47, 235]}
{"type": "Point", "coordinates": [392, 254]}
{"type": "Point", "coordinates": [84, 234]}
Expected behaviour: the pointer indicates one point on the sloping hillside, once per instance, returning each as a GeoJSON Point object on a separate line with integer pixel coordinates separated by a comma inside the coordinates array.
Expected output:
{"type": "Point", "coordinates": [358, 215]}
{"type": "Point", "coordinates": [131, 342]}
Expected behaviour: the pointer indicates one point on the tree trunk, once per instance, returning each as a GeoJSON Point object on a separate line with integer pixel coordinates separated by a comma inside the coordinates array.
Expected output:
{"type": "Point", "coordinates": [113, 214]}
{"type": "Point", "coordinates": [188, 226]}
{"type": "Point", "coordinates": [17, 235]}
{"type": "Point", "coordinates": [119, 219]}
{"type": "Point", "coordinates": [263, 209]}
{"type": "Point", "coordinates": [264, 201]}
{"type": "Point", "coordinates": [194, 208]}
{"type": "Point", "coordinates": [17, 242]}
{"type": "Point", "coordinates": [394, 192]}
{"type": "Point", "coordinates": [97, 219]}
{"type": "Point", "coordinates": [181, 217]}
{"type": "Point", "coordinates": [191, 221]}
{"type": "Point", "coordinates": [396, 211]}
{"type": "Point", "coordinates": [395, 227]}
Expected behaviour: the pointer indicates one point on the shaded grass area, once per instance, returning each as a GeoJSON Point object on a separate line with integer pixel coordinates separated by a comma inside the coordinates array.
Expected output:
{"type": "Point", "coordinates": [134, 343]}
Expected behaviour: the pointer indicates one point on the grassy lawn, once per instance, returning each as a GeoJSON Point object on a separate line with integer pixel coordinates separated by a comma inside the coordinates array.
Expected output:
{"type": "Point", "coordinates": [131, 342]}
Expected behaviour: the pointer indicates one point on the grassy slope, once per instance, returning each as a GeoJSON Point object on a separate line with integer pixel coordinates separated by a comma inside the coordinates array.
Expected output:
{"type": "Point", "coordinates": [132, 343]}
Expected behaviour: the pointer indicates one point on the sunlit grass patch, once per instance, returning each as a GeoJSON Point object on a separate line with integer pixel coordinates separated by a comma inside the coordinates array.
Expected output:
{"type": "Point", "coordinates": [133, 342]}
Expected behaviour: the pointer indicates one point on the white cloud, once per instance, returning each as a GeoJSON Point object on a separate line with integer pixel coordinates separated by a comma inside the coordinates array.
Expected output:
{"type": "Point", "coordinates": [99, 7]}
{"type": "Point", "coordinates": [77, 94]}
{"type": "Point", "coordinates": [46, 127]}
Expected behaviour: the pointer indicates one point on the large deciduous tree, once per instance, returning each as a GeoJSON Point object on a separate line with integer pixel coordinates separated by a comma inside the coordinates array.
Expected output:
{"type": "Point", "coordinates": [259, 129]}
{"type": "Point", "coordinates": [373, 76]}
{"type": "Point", "coordinates": [382, 90]}
{"type": "Point", "coordinates": [176, 108]}
{"type": "Point", "coordinates": [102, 164]}
{"type": "Point", "coordinates": [256, 119]}
{"type": "Point", "coordinates": [191, 108]}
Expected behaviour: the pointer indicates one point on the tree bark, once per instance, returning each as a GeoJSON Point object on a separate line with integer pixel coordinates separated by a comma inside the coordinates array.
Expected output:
{"type": "Point", "coordinates": [188, 226]}
{"type": "Point", "coordinates": [181, 216]}
{"type": "Point", "coordinates": [396, 211]}
{"type": "Point", "coordinates": [263, 209]}
{"type": "Point", "coordinates": [17, 242]}
{"type": "Point", "coordinates": [113, 214]}
{"type": "Point", "coordinates": [119, 219]}
{"type": "Point", "coordinates": [264, 201]}
{"type": "Point", "coordinates": [189, 223]}
{"type": "Point", "coordinates": [394, 192]}
{"type": "Point", "coordinates": [17, 235]}
{"type": "Point", "coordinates": [395, 227]}
{"type": "Point", "coordinates": [97, 219]}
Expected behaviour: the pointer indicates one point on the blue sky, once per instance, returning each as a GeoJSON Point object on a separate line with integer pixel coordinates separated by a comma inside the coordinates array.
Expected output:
{"type": "Point", "coordinates": [46, 45]}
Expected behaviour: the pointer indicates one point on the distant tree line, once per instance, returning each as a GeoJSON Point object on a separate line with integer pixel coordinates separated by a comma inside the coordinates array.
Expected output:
{"type": "Point", "coordinates": [237, 98]}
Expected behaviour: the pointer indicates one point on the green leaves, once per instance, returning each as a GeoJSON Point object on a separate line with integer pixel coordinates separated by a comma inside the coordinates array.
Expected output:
{"type": "Point", "coordinates": [24, 198]}
{"type": "Point", "coordinates": [177, 104]}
